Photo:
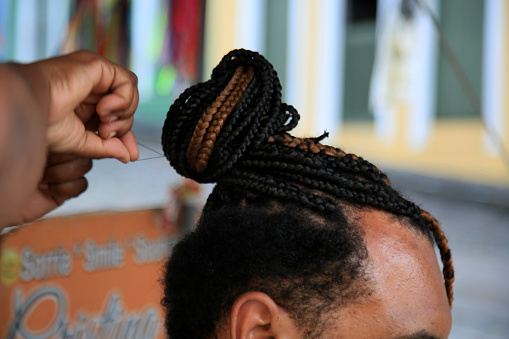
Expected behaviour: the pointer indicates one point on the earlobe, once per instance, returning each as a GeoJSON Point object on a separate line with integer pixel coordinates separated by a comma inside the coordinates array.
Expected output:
{"type": "Point", "coordinates": [255, 315]}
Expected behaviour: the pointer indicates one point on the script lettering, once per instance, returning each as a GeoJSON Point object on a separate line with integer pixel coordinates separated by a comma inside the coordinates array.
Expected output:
{"type": "Point", "coordinates": [114, 323]}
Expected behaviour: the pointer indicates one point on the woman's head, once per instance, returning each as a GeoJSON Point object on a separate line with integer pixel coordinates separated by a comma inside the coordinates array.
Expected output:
{"type": "Point", "coordinates": [288, 220]}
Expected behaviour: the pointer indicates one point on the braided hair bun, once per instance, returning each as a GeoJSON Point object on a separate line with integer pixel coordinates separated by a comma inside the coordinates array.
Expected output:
{"type": "Point", "coordinates": [212, 124]}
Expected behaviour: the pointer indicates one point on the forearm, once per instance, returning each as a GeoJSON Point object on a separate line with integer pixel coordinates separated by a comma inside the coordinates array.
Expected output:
{"type": "Point", "coordinates": [23, 115]}
{"type": "Point", "coordinates": [79, 104]}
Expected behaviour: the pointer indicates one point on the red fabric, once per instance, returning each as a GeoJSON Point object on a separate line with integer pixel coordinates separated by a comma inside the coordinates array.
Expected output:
{"type": "Point", "coordinates": [186, 20]}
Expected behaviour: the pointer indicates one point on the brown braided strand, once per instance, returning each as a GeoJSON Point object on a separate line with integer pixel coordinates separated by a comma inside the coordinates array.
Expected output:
{"type": "Point", "coordinates": [309, 145]}
{"type": "Point", "coordinates": [209, 139]}
{"type": "Point", "coordinates": [445, 253]}
{"type": "Point", "coordinates": [205, 120]}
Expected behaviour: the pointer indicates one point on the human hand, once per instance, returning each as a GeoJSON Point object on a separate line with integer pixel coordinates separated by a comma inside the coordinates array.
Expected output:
{"type": "Point", "coordinates": [91, 106]}
{"type": "Point", "coordinates": [63, 179]}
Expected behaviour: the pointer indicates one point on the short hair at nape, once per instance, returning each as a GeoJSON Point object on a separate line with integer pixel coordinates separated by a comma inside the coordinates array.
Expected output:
{"type": "Point", "coordinates": [307, 265]}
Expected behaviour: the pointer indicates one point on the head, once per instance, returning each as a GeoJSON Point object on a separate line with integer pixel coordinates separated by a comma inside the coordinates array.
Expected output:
{"type": "Point", "coordinates": [298, 239]}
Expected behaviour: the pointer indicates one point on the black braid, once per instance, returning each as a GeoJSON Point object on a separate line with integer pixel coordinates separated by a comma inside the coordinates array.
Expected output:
{"type": "Point", "coordinates": [257, 163]}
{"type": "Point", "coordinates": [262, 100]}
{"type": "Point", "coordinates": [339, 180]}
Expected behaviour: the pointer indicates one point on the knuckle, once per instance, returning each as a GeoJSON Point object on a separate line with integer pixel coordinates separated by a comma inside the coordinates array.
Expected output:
{"type": "Point", "coordinates": [82, 186]}
{"type": "Point", "coordinates": [134, 78]}
{"type": "Point", "coordinates": [87, 56]}
{"type": "Point", "coordinates": [71, 189]}
{"type": "Point", "coordinates": [85, 164]}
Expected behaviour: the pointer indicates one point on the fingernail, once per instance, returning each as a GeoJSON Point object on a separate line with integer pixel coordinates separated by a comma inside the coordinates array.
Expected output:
{"type": "Point", "coordinates": [113, 118]}
{"type": "Point", "coordinates": [106, 113]}
{"type": "Point", "coordinates": [123, 160]}
{"type": "Point", "coordinates": [112, 134]}
{"type": "Point", "coordinates": [43, 186]}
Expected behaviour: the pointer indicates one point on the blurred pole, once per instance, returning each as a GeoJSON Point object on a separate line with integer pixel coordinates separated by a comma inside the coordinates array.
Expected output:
{"type": "Point", "coordinates": [250, 25]}
{"type": "Point", "coordinates": [41, 28]}
{"type": "Point", "coordinates": [385, 119]}
{"type": "Point", "coordinates": [144, 20]}
{"type": "Point", "coordinates": [298, 72]}
{"type": "Point", "coordinates": [493, 82]}
{"type": "Point", "coordinates": [58, 16]}
{"type": "Point", "coordinates": [329, 63]}
{"type": "Point", "coordinates": [218, 35]}
{"type": "Point", "coordinates": [471, 93]}
{"type": "Point", "coordinates": [25, 31]}
{"type": "Point", "coordinates": [423, 70]}
{"type": "Point", "coordinates": [276, 36]}
{"type": "Point", "coordinates": [403, 82]}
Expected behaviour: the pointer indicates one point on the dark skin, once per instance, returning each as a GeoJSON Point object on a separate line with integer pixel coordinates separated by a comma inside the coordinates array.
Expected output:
{"type": "Point", "coordinates": [407, 301]}
{"type": "Point", "coordinates": [56, 115]}
{"type": "Point", "coordinates": [63, 179]}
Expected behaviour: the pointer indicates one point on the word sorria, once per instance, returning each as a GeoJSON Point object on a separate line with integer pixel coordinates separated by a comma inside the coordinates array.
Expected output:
{"type": "Point", "coordinates": [233, 130]}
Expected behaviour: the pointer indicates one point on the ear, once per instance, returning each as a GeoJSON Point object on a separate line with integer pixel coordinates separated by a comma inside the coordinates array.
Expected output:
{"type": "Point", "coordinates": [255, 315]}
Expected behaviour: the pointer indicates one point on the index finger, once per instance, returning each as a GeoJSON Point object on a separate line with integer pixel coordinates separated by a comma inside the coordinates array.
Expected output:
{"type": "Point", "coordinates": [87, 78]}
{"type": "Point", "coordinates": [121, 93]}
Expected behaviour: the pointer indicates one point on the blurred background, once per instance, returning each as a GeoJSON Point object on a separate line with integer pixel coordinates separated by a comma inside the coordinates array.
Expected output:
{"type": "Point", "coordinates": [418, 87]}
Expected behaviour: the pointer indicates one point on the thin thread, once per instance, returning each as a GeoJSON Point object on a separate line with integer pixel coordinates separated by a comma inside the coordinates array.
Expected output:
{"type": "Point", "coordinates": [152, 158]}
{"type": "Point", "coordinates": [184, 153]}
{"type": "Point", "coordinates": [150, 149]}
{"type": "Point", "coordinates": [466, 85]}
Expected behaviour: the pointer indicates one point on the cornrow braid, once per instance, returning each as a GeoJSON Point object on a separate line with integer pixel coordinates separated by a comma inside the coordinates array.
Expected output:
{"type": "Point", "coordinates": [445, 253]}
{"type": "Point", "coordinates": [233, 130]}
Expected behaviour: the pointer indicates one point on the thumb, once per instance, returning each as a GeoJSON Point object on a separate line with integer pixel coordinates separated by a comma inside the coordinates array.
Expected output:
{"type": "Point", "coordinates": [96, 147]}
